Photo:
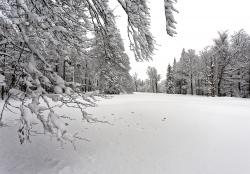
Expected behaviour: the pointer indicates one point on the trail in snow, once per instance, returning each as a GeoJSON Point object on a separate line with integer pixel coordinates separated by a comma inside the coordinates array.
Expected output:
{"type": "Point", "coordinates": [150, 133]}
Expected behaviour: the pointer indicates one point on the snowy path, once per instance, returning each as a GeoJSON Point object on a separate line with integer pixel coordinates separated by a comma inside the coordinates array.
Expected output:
{"type": "Point", "coordinates": [151, 134]}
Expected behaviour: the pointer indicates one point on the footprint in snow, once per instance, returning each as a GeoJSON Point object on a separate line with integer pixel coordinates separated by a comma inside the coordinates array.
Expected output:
{"type": "Point", "coordinates": [164, 119]}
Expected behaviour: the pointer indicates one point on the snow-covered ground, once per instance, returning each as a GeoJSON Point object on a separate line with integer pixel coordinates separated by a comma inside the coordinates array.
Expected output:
{"type": "Point", "coordinates": [148, 134]}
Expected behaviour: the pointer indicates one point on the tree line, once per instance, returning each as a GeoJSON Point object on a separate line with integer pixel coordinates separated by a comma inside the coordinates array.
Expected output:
{"type": "Point", "coordinates": [222, 69]}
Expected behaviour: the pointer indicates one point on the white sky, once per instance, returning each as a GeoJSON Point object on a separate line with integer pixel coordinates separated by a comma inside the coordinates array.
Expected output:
{"type": "Point", "coordinates": [198, 23]}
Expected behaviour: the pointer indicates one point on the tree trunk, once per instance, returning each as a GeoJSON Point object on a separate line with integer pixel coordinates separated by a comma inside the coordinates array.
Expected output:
{"type": "Point", "coordinates": [211, 84]}
{"type": "Point", "coordinates": [89, 85]}
{"type": "Point", "coordinates": [220, 80]}
{"type": "Point", "coordinates": [2, 93]}
{"type": "Point", "coordinates": [152, 85]}
{"type": "Point", "coordinates": [86, 77]}
{"type": "Point", "coordinates": [4, 60]}
{"type": "Point", "coordinates": [85, 85]}
{"type": "Point", "coordinates": [219, 87]}
{"type": "Point", "coordinates": [192, 93]}
{"type": "Point", "coordinates": [136, 86]}
{"type": "Point", "coordinates": [199, 87]}
{"type": "Point", "coordinates": [181, 86]}
{"type": "Point", "coordinates": [156, 87]}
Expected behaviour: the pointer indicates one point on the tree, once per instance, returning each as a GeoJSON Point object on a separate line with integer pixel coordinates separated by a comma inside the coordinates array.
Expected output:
{"type": "Point", "coordinates": [208, 71]}
{"type": "Point", "coordinates": [170, 81]}
{"type": "Point", "coordinates": [174, 74]}
{"type": "Point", "coordinates": [223, 58]}
{"type": "Point", "coordinates": [181, 75]}
{"type": "Point", "coordinates": [136, 81]}
{"type": "Point", "coordinates": [154, 78]}
{"type": "Point", "coordinates": [189, 67]}
{"type": "Point", "coordinates": [240, 66]}
{"type": "Point", "coordinates": [111, 63]}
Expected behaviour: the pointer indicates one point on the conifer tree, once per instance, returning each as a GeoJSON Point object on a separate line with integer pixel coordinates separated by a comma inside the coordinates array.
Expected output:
{"type": "Point", "coordinates": [170, 81]}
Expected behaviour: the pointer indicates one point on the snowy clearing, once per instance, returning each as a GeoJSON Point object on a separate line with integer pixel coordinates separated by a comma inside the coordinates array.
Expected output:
{"type": "Point", "coordinates": [150, 134]}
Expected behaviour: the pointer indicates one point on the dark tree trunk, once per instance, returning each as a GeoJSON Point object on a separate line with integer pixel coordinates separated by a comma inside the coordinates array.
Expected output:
{"type": "Point", "coordinates": [192, 92]}
{"type": "Point", "coordinates": [181, 86]}
{"type": "Point", "coordinates": [152, 85]}
{"type": "Point", "coordinates": [199, 87]}
{"type": "Point", "coordinates": [2, 93]}
{"type": "Point", "coordinates": [85, 85]}
{"type": "Point", "coordinates": [56, 68]}
{"type": "Point", "coordinates": [89, 86]}
{"type": "Point", "coordinates": [156, 87]}
{"type": "Point", "coordinates": [219, 87]}
{"type": "Point", "coordinates": [3, 73]}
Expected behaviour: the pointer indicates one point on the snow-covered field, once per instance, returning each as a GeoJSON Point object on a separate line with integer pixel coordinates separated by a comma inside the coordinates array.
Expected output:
{"type": "Point", "coordinates": [148, 134]}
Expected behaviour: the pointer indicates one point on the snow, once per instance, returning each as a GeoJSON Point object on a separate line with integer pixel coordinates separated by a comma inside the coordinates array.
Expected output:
{"type": "Point", "coordinates": [148, 133]}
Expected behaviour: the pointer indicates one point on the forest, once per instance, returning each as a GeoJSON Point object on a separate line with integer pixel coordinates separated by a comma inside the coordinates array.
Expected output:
{"type": "Point", "coordinates": [221, 69]}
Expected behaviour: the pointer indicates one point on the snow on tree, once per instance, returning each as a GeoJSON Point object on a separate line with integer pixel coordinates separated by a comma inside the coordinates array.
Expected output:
{"type": "Point", "coordinates": [170, 21]}
{"type": "Point", "coordinates": [221, 69]}
{"type": "Point", "coordinates": [181, 76]}
{"type": "Point", "coordinates": [240, 64]}
{"type": "Point", "coordinates": [154, 78]}
{"type": "Point", "coordinates": [46, 46]}
{"type": "Point", "coordinates": [111, 63]}
{"type": "Point", "coordinates": [221, 49]}
{"type": "Point", "coordinates": [208, 71]}
{"type": "Point", "coordinates": [141, 40]}
{"type": "Point", "coordinates": [170, 87]}
{"type": "Point", "coordinates": [189, 62]}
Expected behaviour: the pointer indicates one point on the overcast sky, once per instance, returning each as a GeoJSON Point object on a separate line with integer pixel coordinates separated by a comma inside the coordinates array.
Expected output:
{"type": "Point", "coordinates": [198, 23]}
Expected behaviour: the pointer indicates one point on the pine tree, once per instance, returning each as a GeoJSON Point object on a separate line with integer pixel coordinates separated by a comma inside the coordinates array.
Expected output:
{"type": "Point", "coordinates": [170, 81]}
{"type": "Point", "coordinates": [181, 75]}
